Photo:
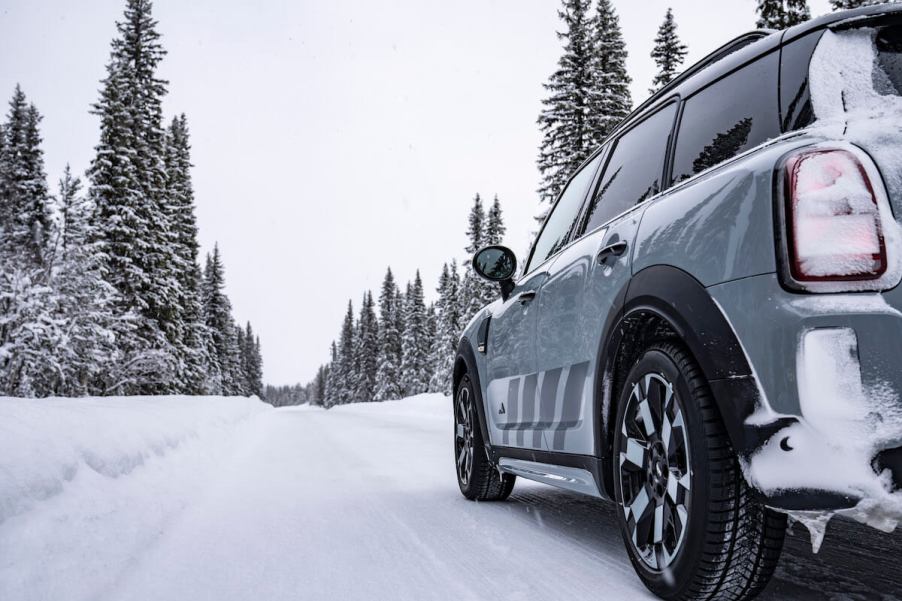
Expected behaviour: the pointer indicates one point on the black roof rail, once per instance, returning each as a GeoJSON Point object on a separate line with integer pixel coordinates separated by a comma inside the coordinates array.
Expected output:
{"type": "Point", "coordinates": [730, 47]}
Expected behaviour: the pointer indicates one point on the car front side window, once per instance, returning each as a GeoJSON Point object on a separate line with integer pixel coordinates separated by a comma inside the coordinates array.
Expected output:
{"type": "Point", "coordinates": [634, 170]}
{"type": "Point", "coordinates": [558, 225]}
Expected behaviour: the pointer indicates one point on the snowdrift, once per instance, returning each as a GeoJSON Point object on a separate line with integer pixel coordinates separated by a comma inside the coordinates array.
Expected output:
{"type": "Point", "coordinates": [98, 479]}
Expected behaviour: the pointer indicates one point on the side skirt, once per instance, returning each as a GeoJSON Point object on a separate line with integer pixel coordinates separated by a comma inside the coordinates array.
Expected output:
{"type": "Point", "coordinates": [579, 473]}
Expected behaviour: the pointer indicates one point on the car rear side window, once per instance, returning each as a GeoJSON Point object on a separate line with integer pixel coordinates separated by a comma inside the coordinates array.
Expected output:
{"type": "Point", "coordinates": [634, 170]}
{"type": "Point", "coordinates": [558, 225]}
{"type": "Point", "coordinates": [728, 117]}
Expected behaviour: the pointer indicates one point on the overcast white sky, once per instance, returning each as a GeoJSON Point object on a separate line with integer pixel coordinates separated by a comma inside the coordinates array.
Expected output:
{"type": "Point", "coordinates": [334, 138]}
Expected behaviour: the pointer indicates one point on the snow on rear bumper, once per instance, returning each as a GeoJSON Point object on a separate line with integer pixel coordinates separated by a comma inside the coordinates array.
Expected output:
{"type": "Point", "coordinates": [829, 369]}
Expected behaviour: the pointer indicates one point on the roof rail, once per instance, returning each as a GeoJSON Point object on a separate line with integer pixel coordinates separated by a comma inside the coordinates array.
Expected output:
{"type": "Point", "coordinates": [730, 47]}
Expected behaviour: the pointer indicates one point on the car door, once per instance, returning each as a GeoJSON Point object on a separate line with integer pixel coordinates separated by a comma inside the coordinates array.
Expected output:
{"type": "Point", "coordinates": [513, 385]}
{"type": "Point", "coordinates": [586, 282]}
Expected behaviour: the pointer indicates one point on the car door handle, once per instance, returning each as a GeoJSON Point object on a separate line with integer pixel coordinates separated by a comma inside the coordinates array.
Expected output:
{"type": "Point", "coordinates": [611, 250]}
{"type": "Point", "coordinates": [524, 298]}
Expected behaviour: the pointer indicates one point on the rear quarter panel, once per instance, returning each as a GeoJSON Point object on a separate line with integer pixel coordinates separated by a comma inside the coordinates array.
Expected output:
{"type": "Point", "coordinates": [718, 226]}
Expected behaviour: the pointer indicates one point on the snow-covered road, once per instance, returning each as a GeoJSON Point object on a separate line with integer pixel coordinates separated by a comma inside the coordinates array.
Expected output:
{"type": "Point", "coordinates": [360, 502]}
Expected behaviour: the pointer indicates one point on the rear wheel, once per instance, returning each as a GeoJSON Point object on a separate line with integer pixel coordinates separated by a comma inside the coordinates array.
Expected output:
{"type": "Point", "coordinates": [478, 478]}
{"type": "Point", "coordinates": [689, 520]}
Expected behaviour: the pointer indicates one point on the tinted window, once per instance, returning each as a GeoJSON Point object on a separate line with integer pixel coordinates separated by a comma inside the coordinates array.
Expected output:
{"type": "Point", "coordinates": [887, 77]}
{"type": "Point", "coordinates": [559, 223]}
{"type": "Point", "coordinates": [727, 118]}
{"type": "Point", "coordinates": [634, 170]}
{"type": "Point", "coordinates": [795, 98]}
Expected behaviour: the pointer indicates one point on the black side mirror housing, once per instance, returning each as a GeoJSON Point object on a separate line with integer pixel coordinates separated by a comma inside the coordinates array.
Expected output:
{"type": "Point", "coordinates": [497, 263]}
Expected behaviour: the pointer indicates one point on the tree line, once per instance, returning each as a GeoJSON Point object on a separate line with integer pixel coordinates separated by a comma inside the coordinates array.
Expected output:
{"type": "Point", "coordinates": [396, 345]}
{"type": "Point", "coordinates": [101, 290]}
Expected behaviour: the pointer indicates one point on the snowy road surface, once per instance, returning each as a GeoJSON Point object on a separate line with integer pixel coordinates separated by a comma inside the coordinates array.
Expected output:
{"type": "Point", "coordinates": [359, 502]}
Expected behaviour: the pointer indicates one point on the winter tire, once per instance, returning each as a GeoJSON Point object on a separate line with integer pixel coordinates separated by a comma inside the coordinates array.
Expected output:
{"type": "Point", "coordinates": [691, 524]}
{"type": "Point", "coordinates": [478, 478]}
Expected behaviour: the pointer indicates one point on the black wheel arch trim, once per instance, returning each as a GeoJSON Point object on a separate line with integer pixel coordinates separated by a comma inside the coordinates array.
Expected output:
{"type": "Point", "coordinates": [682, 303]}
{"type": "Point", "coordinates": [466, 364]}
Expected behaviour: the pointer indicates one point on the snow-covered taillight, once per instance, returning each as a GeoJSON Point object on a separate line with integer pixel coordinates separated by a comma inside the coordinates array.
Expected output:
{"type": "Point", "coordinates": [832, 219]}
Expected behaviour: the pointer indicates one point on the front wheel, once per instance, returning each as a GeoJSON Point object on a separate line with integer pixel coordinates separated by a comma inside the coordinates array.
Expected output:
{"type": "Point", "coordinates": [691, 525]}
{"type": "Point", "coordinates": [478, 478]}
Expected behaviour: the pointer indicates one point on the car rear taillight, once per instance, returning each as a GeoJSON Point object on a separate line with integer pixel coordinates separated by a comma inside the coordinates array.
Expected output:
{"type": "Point", "coordinates": [832, 219]}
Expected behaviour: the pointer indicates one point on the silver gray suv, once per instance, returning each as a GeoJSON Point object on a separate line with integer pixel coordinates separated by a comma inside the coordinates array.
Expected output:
{"type": "Point", "coordinates": [707, 330]}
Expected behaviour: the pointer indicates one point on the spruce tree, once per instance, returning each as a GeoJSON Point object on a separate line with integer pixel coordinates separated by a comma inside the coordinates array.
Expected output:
{"type": "Point", "coordinates": [668, 53]}
{"type": "Point", "coordinates": [367, 350]}
{"type": "Point", "coordinates": [24, 197]}
{"type": "Point", "coordinates": [226, 356]}
{"type": "Point", "coordinates": [494, 234]}
{"type": "Point", "coordinates": [86, 302]}
{"type": "Point", "coordinates": [388, 370]}
{"type": "Point", "coordinates": [475, 289]}
{"type": "Point", "coordinates": [330, 389]}
{"type": "Point", "coordinates": [32, 336]}
{"type": "Point", "coordinates": [430, 330]}
{"type": "Point", "coordinates": [414, 342]}
{"type": "Point", "coordinates": [252, 364]}
{"type": "Point", "coordinates": [610, 98]}
{"type": "Point", "coordinates": [447, 333]}
{"type": "Point", "coordinates": [780, 14]}
{"type": "Point", "coordinates": [565, 122]}
{"type": "Point", "coordinates": [255, 377]}
{"type": "Point", "coordinates": [191, 344]}
{"type": "Point", "coordinates": [73, 211]}
{"type": "Point", "coordinates": [128, 188]}
{"type": "Point", "coordinates": [494, 224]}
{"type": "Point", "coordinates": [344, 367]}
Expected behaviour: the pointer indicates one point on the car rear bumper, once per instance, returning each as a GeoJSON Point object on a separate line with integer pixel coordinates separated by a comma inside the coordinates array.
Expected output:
{"type": "Point", "coordinates": [826, 433]}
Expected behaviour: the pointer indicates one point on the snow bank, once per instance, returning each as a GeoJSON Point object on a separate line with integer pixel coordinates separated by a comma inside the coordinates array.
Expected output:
{"type": "Point", "coordinates": [87, 485]}
{"type": "Point", "coordinates": [44, 443]}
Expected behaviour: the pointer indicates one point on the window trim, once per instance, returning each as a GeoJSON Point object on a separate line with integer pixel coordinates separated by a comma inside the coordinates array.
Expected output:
{"type": "Point", "coordinates": [611, 146]}
{"type": "Point", "coordinates": [527, 268]}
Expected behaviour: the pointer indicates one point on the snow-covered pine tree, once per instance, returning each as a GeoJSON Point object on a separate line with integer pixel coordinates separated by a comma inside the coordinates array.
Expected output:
{"type": "Point", "coordinates": [223, 332]}
{"type": "Point", "coordinates": [494, 224]}
{"type": "Point", "coordinates": [238, 377]}
{"type": "Point", "coordinates": [565, 120]}
{"type": "Point", "coordinates": [29, 328]}
{"type": "Point", "coordinates": [475, 290]}
{"type": "Point", "coordinates": [367, 350]}
{"type": "Point", "coordinates": [669, 53]}
{"type": "Point", "coordinates": [388, 370]}
{"type": "Point", "coordinates": [73, 213]}
{"type": "Point", "coordinates": [342, 376]}
{"type": "Point", "coordinates": [192, 348]}
{"type": "Point", "coordinates": [476, 226]}
{"type": "Point", "coordinates": [128, 188]}
{"type": "Point", "coordinates": [430, 328]}
{"type": "Point", "coordinates": [780, 14]}
{"type": "Point", "coordinates": [316, 390]}
{"type": "Point", "coordinates": [448, 328]}
{"type": "Point", "coordinates": [610, 100]}
{"type": "Point", "coordinates": [24, 197]}
{"type": "Point", "coordinates": [85, 354]}
{"type": "Point", "coordinates": [242, 384]}
{"type": "Point", "coordinates": [330, 389]}
{"type": "Point", "coordinates": [494, 234]}
{"type": "Point", "coordinates": [256, 374]}
{"type": "Point", "coordinates": [414, 345]}
{"type": "Point", "coordinates": [252, 362]}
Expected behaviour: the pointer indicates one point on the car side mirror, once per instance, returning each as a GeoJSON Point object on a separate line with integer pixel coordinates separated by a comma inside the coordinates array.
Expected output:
{"type": "Point", "coordinates": [497, 264]}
